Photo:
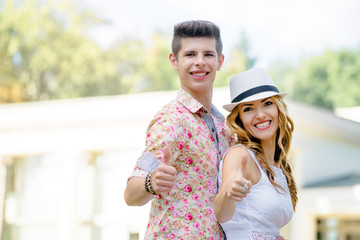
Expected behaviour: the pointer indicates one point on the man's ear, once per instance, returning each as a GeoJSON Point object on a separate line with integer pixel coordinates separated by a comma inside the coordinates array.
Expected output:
{"type": "Point", "coordinates": [221, 61]}
{"type": "Point", "coordinates": [173, 61]}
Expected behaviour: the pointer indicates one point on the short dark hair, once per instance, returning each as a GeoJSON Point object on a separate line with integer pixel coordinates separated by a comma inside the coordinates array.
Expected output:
{"type": "Point", "coordinates": [198, 28]}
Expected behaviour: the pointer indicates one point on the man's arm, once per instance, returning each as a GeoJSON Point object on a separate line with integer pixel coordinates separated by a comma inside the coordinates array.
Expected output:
{"type": "Point", "coordinates": [135, 193]}
{"type": "Point", "coordinates": [162, 180]}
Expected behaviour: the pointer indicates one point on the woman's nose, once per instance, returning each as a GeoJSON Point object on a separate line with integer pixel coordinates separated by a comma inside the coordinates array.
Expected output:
{"type": "Point", "coordinates": [260, 114]}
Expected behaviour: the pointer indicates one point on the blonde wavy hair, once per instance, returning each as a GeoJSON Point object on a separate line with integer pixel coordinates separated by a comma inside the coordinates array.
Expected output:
{"type": "Point", "coordinates": [283, 142]}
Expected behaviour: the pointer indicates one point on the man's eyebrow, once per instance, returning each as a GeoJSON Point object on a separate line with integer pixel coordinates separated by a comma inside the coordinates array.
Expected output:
{"type": "Point", "coordinates": [188, 51]}
{"type": "Point", "coordinates": [193, 51]}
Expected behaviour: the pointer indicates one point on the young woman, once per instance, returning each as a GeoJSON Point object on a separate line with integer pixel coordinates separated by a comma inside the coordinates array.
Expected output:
{"type": "Point", "coordinates": [258, 193]}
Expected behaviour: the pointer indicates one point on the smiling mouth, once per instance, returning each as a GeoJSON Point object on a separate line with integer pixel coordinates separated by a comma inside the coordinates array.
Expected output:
{"type": "Point", "coordinates": [199, 74]}
{"type": "Point", "coordinates": [263, 124]}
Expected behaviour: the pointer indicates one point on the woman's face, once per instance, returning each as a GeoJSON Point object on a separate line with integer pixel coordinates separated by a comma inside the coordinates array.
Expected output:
{"type": "Point", "coordinates": [260, 118]}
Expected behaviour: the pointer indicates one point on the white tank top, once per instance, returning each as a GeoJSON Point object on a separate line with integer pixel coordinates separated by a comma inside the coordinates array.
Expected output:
{"type": "Point", "coordinates": [264, 211]}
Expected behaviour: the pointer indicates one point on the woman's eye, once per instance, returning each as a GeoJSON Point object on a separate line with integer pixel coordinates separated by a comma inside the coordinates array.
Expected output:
{"type": "Point", "coordinates": [268, 103]}
{"type": "Point", "coordinates": [247, 109]}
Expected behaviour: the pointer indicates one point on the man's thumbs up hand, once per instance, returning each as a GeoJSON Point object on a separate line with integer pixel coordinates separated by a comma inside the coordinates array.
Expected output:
{"type": "Point", "coordinates": [164, 176]}
{"type": "Point", "coordinates": [167, 155]}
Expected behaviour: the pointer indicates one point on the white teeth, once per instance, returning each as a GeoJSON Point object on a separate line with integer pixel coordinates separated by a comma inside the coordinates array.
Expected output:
{"type": "Point", "coordinates": [199, 74]}
{"type": "Point", "coordinates": [262, 125]}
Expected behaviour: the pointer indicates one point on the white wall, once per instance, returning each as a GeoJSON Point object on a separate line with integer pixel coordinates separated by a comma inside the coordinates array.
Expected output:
{"type": "Point", "coordinates": [326, 158]}
{"type": "Point", "coordinates": [116, 126]}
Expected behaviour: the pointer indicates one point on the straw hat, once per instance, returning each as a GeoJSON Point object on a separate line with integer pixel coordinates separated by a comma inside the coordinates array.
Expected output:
{"type": "Point", "coordinates": [251, 85]}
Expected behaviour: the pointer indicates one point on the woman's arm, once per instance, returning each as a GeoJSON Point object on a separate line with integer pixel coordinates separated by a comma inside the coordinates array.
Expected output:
{"type": "Point", "coordinates": [234, 176]}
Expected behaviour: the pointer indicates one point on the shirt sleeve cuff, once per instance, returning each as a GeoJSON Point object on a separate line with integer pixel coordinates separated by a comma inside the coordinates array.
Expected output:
{"type": "Point", "coordinates": [146, 163]}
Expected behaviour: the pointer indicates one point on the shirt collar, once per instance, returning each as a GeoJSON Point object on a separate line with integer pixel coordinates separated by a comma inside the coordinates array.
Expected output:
{"type": "Point", "coordinates": [195, 106]}
{"type": "Point", "coordinates": [217, 113]}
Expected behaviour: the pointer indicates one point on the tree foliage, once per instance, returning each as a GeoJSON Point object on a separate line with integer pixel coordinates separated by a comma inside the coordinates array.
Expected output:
{"type": "Point", "coordinates": [45, 53]}
{"type": "Point", "coordinates": [239, 61]}
{"type": "Point", "coordinates": [331, 80]}
{"type": "Point", "coordinates": [158, 71]}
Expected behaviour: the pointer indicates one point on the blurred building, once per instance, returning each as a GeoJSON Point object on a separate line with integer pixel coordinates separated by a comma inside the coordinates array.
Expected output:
{"type": "Point", "coordinates": [64, 166]}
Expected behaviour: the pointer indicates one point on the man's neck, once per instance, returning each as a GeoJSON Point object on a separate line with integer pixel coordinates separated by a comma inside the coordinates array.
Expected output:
{"type": "Point", "coordinates": [206, 102]}
{"type": "Point", "coordinates": [205, 98]}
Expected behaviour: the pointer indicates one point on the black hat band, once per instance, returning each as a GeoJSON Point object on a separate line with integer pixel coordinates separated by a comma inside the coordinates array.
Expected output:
{"type": "Point", "coordinates": [253, 91]}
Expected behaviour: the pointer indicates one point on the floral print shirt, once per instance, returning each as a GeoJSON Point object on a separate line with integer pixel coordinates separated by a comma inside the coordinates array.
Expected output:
{"type": "Point", "coordinates": [187, 211]}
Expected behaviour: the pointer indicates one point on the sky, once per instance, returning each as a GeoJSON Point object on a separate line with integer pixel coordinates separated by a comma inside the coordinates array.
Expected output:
{"type": "Point", "coordinates": [287, 30]}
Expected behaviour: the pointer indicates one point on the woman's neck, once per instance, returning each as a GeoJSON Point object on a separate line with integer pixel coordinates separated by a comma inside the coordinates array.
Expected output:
{"type": "Point", "coordinates": [269, 151]}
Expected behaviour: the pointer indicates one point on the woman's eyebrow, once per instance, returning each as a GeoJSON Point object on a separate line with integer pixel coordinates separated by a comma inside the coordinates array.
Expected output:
{"type": "Point", "coordinates": [265, 99]}
{"type": "Point", "coordinates": [246, 105]}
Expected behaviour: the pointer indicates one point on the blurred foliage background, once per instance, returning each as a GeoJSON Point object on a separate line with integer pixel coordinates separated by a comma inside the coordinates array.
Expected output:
{"type": "Point", "coordinates": [45, 54]}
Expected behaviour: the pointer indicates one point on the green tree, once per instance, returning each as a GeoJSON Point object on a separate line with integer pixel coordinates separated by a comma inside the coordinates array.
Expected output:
{"type": "Point", "coordinates": [158, 71]}
{"type": "Point", "coordinates": [128, 57]}
{"type": "Point", "coordinates": [283, 75]}
{"type": "Point", "coordinates": [45, 53]}
{"type": "Point", "coordinates": [239, 61]}
{"type": "Point", "coordinates": [331, 80]}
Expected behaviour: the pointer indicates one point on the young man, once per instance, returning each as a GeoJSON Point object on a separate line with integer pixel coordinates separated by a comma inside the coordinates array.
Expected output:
{"type": "Point", "coordinates": [185, 140]}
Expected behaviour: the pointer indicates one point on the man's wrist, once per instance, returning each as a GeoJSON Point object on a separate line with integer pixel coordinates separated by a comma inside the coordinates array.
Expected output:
{"type": "Point", "coordinates": [148, 186]}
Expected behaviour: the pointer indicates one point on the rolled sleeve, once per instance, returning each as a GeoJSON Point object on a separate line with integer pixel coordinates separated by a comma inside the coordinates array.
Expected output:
{"type": "Point", "coordinates": [161, 132]}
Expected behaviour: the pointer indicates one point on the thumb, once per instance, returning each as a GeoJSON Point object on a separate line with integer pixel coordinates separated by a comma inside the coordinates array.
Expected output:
{"type": "Point", "coordinates": [242, 171]}
{"type": "Point", "coordinates": [167, 155]}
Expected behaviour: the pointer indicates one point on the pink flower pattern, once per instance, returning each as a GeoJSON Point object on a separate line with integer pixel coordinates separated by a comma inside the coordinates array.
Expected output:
{"type": "Point", "coordinates": [187, 211]}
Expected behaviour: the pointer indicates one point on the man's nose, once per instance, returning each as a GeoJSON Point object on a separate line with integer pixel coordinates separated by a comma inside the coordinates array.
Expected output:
{"type": "Point", "coordinates": [200, 61]}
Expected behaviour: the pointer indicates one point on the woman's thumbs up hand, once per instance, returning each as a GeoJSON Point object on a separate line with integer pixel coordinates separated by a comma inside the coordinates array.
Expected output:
{"type": "Point", "coordinates": [240, 187]}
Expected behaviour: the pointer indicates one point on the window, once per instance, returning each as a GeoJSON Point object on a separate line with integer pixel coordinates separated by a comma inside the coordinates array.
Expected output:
{"type": "Point", "coordinates": [70, 195]}
{"type": "Point", "coordinates": [101, 184]}
{"type": "Point", "coordinates": [31, 198]}
{"type": "Point", "coordinates": [134, 236]}
{"type": "Point", "coordinates": [338, 228]}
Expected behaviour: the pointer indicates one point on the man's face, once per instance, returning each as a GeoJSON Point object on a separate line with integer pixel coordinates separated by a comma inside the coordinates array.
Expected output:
{"type": "Point", "coordinates": [197, 63]}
